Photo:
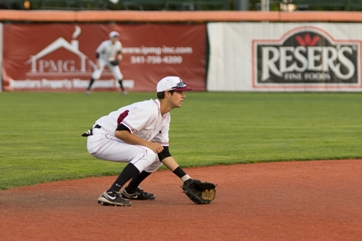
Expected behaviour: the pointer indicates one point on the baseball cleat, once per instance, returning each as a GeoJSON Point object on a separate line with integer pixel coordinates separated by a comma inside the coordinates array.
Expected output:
{"type": "Point", "coordinates": [139, 194]}
{"type": "Point", "coordinates": [112, 198]}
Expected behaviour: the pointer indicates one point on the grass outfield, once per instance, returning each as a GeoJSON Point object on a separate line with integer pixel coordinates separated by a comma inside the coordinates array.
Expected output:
{"type": "Point", "coordinates": [40, 132]}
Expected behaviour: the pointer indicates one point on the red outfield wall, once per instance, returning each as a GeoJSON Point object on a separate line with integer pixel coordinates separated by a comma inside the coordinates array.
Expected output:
{"type": "Point", "coordinates": [178, 16]}
{"type": "Point", "coordinates": [60, 57]}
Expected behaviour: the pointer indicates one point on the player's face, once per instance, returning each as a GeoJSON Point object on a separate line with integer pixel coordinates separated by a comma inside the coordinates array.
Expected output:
{"type": "Point", "coordinates": [177, 98]}
{"type": "Point", "coordinates": [114, 39]}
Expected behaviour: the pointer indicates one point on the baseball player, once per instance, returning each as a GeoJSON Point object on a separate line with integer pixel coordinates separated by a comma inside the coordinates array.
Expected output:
{"type": "Point", "coordinates": [109, 53]}
{"type": "Point", "coordinates": [138, 134]}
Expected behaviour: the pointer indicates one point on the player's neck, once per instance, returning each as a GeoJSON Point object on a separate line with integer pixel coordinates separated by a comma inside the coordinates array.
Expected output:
{"type": "Point", "coordinates": [165, 111]}
{"type": "Point", "coordinates": [164, 107]}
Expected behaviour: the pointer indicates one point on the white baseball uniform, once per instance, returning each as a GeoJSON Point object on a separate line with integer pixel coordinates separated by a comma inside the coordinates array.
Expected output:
{"type": "Point", "coordinates": [144, 120]}
{"type": "Point", "coordinates": [107, 52]}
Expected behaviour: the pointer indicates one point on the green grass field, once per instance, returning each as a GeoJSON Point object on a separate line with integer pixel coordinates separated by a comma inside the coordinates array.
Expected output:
{"type": "Point", "coordinates": [41, 132]}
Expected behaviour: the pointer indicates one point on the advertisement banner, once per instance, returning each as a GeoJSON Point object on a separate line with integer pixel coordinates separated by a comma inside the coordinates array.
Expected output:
{"type": "Point", "coordinates": [284, 57]}
{"type": "Point", "coordinates": [1, 56]}
{"type": "Point", "coordinates": [61, 57]}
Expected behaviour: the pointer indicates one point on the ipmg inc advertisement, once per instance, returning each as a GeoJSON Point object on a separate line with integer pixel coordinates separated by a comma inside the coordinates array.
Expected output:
{"type": "Point", "coordinates": [62, 57]}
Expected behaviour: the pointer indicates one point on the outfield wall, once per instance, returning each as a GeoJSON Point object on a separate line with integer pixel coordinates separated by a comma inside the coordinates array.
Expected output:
{"type": "Point", "coordinates": [52, 16]}
{"type": "Point", "coordinates": [211, 51]}
{"type": "Point", "coordinates": [61, 57]}
{"type": "Point", "coordinates": [284, 57]}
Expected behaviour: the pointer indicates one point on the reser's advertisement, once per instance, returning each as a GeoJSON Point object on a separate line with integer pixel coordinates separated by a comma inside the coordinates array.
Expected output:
{"type": "Point", "coordinates": [284, 57]}
{"type": "Point", "coordinates": [306, 56]}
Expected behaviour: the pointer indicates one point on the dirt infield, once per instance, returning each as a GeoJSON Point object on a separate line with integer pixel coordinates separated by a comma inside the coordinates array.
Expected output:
{"type": "Point", "coordinates": [314, 200]}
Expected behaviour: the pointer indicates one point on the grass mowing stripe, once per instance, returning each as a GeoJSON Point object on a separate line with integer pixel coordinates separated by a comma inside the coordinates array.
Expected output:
{"type": "Point", "coordinates": [41, 142]}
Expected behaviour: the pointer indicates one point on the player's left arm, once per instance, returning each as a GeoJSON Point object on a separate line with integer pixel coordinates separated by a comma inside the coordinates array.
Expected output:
{"type": "Point", "coordinates": [170, 162]}
{"type": "Point", "coordinates": [124, 134]}
{"type": "Point", "coordinates": [119, 52]}
{"type": "Point", "coordinates": [165, 156]}
{"type": "Point", "coordinates": [119, 56]}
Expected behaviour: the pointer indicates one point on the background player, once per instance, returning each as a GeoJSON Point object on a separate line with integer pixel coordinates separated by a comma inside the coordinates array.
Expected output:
{"type": "Point", "coordinates": [108, 53]}
{"type": "Point", "coordinates": [138, 134]}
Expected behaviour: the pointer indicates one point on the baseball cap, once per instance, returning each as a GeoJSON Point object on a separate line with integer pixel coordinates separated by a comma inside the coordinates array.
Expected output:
{"type": "Point", "coordinates": [113, 34]}
{"type": "Point", "coordinates": [172, 83]}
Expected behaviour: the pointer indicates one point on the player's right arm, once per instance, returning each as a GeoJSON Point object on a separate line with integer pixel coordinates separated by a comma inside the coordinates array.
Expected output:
{"type": "Point", "coordinates": [125, 135]}
{"type": "Point", "coordinates": [137, 117]}
{"type": "Point", "coordinates": [97, 60]}
{"type": "Point", "coordinates": [99, 51]}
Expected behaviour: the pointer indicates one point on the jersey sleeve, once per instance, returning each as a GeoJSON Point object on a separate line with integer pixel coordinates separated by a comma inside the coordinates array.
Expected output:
{"type": "Point", "coordinates": [138, 117]}
{"type": "Point", "coordinates": [101, 47]}
{"type": "Point", "coordinates": [119, 50]}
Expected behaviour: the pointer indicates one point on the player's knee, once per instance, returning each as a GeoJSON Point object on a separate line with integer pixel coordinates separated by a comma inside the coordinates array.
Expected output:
{"type": "Point", "coordinates": [154, 166]}
{"type": "Point", "coordinates": [151, 156]}
{"type": "Point", "coordinates": [144, 160]}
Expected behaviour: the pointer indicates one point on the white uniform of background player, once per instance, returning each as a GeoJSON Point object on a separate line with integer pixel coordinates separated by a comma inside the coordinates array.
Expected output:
{"type": "Point", "coordinates": [138, 134]}
{"type": "Point", "coordinates": [107, 51]}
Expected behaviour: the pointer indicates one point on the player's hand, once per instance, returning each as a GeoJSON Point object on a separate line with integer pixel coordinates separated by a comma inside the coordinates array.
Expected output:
{"type": "Point", "coordinates": [155, 147]}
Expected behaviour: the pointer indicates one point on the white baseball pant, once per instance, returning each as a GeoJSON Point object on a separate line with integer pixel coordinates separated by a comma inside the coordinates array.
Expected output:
{"type": "Point", "coordinates": [114, 68]}
{"type": "Point", "coordinates": [107, 147]}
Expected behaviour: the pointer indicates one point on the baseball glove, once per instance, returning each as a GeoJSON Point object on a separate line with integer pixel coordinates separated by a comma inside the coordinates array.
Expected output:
{"type": "Point", "coordinates": [199, 192]}
{"type": "Point", "coordinates": [114, 62]}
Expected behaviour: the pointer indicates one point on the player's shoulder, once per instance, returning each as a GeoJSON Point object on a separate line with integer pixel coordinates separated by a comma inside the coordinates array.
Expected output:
{"type": "Point", "coordinates": [107, 41]}
{"type": "Point", "coordinates": [119, 44]}
{"type": "Point", "coordinates": [104, 43]}
{"type": "Point", "coordinates": [147, 105]}
{"type": "Point", "coordinates": [151, 103]}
